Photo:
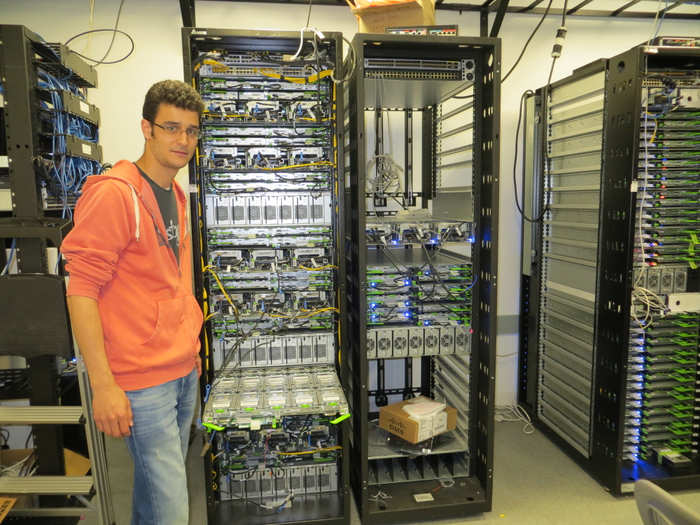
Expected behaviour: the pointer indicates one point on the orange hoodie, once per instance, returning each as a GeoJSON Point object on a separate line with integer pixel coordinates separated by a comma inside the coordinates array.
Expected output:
{"type": "Point", "coordinates": [117, 254]}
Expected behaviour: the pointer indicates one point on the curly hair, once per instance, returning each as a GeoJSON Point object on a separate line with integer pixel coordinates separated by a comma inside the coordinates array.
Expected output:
{"type": "Point", "coordinates": [175, 92]}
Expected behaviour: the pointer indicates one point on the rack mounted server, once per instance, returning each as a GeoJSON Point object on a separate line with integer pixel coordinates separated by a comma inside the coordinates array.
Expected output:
{"type": "Point", "coordinates": [421, 155]}
{"type": "Point", "coordinates": [610, 316]}
{"type": "Point", "coordinates": [267, 206]}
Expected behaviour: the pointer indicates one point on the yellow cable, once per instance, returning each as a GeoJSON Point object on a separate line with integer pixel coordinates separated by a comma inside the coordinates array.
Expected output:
{"type": "Point", "coordinates": [313, 119]}
{"type": "Point", "coordinates": [296, 80]}
{"type": "Point", "coordinates": [320, 268]}
{"type": "Point", "coordinates": [205, 301]}
{"type": "Point", "coordinates": [327, 449]}
{"type": "Point", "coordinates": [337, 211]}
{"type": "Point", "coordinates": [319, 163]}
{"type": "Point", "coordinates": [221, 287]}
{"type": "Point", "coordinates": [216, 65]}
{"type": "Point", "coordinates": [305, 316]}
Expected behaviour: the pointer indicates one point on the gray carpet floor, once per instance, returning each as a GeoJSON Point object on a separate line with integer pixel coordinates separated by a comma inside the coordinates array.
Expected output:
{"type": "Point", "coordinates": [535, 483]}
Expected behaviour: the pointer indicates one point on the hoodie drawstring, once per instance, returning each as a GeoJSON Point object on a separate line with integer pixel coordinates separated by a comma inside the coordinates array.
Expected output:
{"type": "Point", "coordinates": [137, 211]}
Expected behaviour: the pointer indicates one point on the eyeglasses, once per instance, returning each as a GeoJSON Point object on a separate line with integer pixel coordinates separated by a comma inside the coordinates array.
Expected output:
{"type": "Point", "coordinates": [173, 129]}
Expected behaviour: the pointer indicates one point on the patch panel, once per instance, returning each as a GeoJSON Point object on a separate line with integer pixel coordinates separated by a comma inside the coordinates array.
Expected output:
{"type": "Point", "coordinates": [65, 149]}
{"type": "Point", "coordinates": [424, 30]}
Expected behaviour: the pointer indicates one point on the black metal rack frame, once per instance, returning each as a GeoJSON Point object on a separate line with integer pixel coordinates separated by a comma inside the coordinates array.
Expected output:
{"type": "Point", "coordinates": [323, 508]}
{"type": "Point", "coordinates": [46, 335]}
{"type": "Point", "coordinates": [623, 86]}
{"type": "Point", "coordinates": [471, 494]}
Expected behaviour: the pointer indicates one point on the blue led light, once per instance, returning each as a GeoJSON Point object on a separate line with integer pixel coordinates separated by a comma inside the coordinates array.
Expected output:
{"type": "Point", "coordinates": [426, 323]}
{"type": "Point", "coordinates": [407, 314]}
{"type": "Point", "coordinates": [407, 303]}
{"type": "Point", "coordinates": [372, 305]}
{"type": "Point", "coordinates": [373, 285]}
{"type": "Point", "coordinates": [471, 239]}
{"type": "Point", "coordinates": [407, 282]}
{"type": "Point", "coordinates": [394, 242]}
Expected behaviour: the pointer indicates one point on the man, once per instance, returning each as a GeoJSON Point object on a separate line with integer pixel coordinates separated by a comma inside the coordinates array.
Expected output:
{"type": "Point", "coordinates": [131, 305]}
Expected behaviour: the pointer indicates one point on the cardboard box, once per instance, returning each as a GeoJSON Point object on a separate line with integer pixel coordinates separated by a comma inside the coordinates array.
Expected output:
{"type": "Point", "coordinates": [6, 504]}
{"type": "Point", "coordinates": [417, 419]}
{"type": "Point", "coordinates": [8, 458]}
{"type": "Point", "coordinates": [76, 464]}
{"type": "Point", "coordinates": [375, 17]}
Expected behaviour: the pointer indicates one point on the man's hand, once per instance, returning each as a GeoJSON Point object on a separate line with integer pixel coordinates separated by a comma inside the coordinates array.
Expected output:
{"type": "Point", "coordinates": [112, 411]}
{"type": "Point", "coordinates": [111, 407]}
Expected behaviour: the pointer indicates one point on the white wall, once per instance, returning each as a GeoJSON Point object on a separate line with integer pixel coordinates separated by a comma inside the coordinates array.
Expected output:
{"type": "Point", "coordinates": [155, 27]}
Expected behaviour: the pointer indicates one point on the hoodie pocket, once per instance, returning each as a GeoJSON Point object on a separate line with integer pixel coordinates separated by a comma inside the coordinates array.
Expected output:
{"type": "Point", "coordinates": [196, 316]}
{"type": "Point", "coordinates": [171, 314]}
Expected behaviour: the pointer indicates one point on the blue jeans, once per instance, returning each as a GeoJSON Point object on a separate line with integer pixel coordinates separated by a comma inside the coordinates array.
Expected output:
{"type": "Point", "coordinates": [158, 445]}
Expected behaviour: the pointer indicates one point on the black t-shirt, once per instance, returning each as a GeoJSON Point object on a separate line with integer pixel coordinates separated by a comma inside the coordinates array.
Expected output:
{"type": "Point", "coordinates": [168, 210]}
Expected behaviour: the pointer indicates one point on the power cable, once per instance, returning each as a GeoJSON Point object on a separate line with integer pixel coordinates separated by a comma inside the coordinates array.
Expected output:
{"type": "Point", "coordinates": [661, 21]}
{"type": "Point", "coordinates": [308, 14]}
{"type": "Point", "coordinates": [532, 35]}
{"type": "Point", "coordinates": [98, 62]}
{"type": "Point", "coordinates": [114, 32]}
{"type": "Point", "coordinates": [515, 160]}
{"type": "Point", "coordinates": [556, 53]}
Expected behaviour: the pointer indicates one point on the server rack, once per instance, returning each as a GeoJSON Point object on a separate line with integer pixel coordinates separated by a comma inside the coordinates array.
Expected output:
{"type": "Point", "coordinates": [266, 210]}
{"type": "Point", "coordinates": [422, 149]}
{"type": "Point", "coordinates": [48, 146]}
{"type": "Point", "coordinates": [609, 334]}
